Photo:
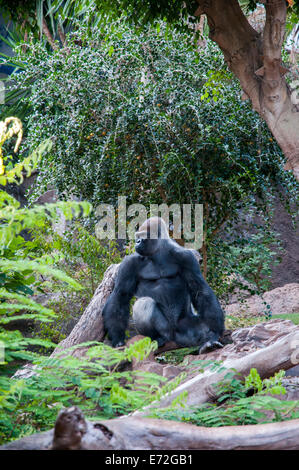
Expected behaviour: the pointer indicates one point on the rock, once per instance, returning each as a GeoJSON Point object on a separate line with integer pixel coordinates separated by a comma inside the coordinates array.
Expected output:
{"type": "Point", "coordinates": [241, 342]}
{"type": "Point", "coordinates": [291, 385]}
{"type": "Point", "coordinates": [165, 370]}
{"type": "Point", "coordinates": [150, 366]}
{"type": "Point", "coordinates": [247, 340]}
{"type": "Point", "coordinates": [293, 372]}
{"type": "Point", "coordinates": [281, 300]}
{"type": "Point", "coordinates": [171, 371]}
{"type": "Point", "coordinates": [241, 292]}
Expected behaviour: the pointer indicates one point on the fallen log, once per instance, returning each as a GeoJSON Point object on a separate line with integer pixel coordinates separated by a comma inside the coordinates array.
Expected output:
{"type": "Point", "coordinates": [283, 354]}
{"type": "Point", "coordinates": [136, 432]}
{"type": "Point", "coordinates": [72, 432]}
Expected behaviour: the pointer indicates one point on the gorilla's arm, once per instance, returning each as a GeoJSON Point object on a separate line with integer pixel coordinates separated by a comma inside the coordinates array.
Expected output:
{"type": "Point", "coordinates": [117, 309]}
{"type": "Point", "coordinates": [202, 297]}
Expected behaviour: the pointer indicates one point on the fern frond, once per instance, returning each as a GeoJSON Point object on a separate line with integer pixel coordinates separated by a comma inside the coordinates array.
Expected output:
{"type": "Point", "coordinates": [16, 174]}
{"type": "Point", "coordinates": [28, 265]}
{"type": "Point", "coordinates": [15, 220]}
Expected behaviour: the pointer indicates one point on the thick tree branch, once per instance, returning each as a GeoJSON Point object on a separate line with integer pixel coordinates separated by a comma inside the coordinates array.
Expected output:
{"type": "Point", "coordinates": [256, 62]}
{"type": "Point", "coordinates": [90, 327]}
{"type": "Point", "coordinates": [273, 86]}
{"type": "Point", "coordinates": [238, 40]}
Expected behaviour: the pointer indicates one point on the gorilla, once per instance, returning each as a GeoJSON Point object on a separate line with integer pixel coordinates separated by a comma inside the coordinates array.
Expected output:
{"type": "Point", "coordinates": [174, 302]}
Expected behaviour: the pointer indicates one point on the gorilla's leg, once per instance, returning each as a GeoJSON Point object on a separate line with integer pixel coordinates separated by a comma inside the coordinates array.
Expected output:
{"type": "Point", "coordinates": [150, 321]}
{"type": "Point", "coordinates": [193, 331]}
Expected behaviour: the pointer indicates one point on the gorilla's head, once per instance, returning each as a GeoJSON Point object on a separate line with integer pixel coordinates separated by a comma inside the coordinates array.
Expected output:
{"type": "Point", "coordinates": [148, 238]}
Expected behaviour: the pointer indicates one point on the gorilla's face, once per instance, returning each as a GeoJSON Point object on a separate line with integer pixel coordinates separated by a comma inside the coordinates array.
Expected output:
{"type": "Point", "coordinates": [146, 246]}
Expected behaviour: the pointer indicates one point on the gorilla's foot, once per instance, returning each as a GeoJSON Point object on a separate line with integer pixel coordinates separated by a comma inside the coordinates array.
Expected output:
{"type": "Point", "coordinates": [210, 346]}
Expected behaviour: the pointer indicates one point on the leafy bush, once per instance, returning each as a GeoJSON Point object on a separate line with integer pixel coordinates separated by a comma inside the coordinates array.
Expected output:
{"type": "Point", "coordinates": [19, 269]}
{"type": "Point", "coordinates": [243, 262]}
{"type": "Point", "coordinates": [94, 382]}
{"type": "Point", "coordinates": [234, 407]}
{"type": "Point", "coordinates": [83, 257]}
{"type": "Point", "coordinates": [80, 252]}
{"type": "Point", "coordinates": [149, 117]}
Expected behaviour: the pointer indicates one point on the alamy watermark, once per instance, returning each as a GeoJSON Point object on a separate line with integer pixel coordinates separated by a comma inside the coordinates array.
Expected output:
{"type": "Point", "coordinates": [128, 218]}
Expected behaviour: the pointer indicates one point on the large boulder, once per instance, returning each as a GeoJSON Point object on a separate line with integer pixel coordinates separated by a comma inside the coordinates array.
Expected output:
{"type": "Point", "coordinates": [281, 300]}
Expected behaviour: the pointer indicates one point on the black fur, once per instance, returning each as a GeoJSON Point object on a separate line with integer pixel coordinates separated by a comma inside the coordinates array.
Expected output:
{"type": "Point", "coordinates": [170, 275]}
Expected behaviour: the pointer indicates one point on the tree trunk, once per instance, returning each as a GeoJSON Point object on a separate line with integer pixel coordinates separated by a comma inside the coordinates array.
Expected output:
{"type": "Point", "coordinates": [255, 59]}
{"type": "Point", "coordinates": [90, 327]}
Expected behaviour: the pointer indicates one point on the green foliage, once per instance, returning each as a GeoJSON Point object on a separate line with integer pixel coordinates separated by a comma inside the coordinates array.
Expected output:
{"type": "Point", "coordinates": [272, 385]}
{"type": "Point", "coordinates": [15, 8]}
{"type": "Point", "coordinates": [244, 260]}
{"type": "Point", "coordinates": [234, 407]}
{"type": "Point", "coordinates": [95, 382]}
{"type": "Point", "coordinates": [255, 257]}
{"type": "Point", "coordinates": [159, 123]}
{"type": "Point", "coordinates": [294, 317]}
{"type": "Point", "coordinates": [143, 129]}
{"type": "Point", "coordinates": [21, 271]}
{"type": "Point", "coordinates": [141, 12]}
{"type": "Point", "coordinates": [244, 411]}
{"type": "Point", "coordinates": [177, 356]}
{"type": "Point", "coordinates": [18, 272]}
{"type": "Point", "coordinates": [83, 258]}
{"type": "Point", "coordinates": [58, 15]}
{"type": "Point", "coordinates": [81, 253]}
{"type": "Point", "coordinates": [45, 21]}
{"type": "Point", "coordinates": [98, 382]}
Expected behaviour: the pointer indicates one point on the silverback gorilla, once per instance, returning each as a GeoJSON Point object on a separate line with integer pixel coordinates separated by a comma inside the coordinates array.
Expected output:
{"type": "Point", "coordinates": [168, 284]}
